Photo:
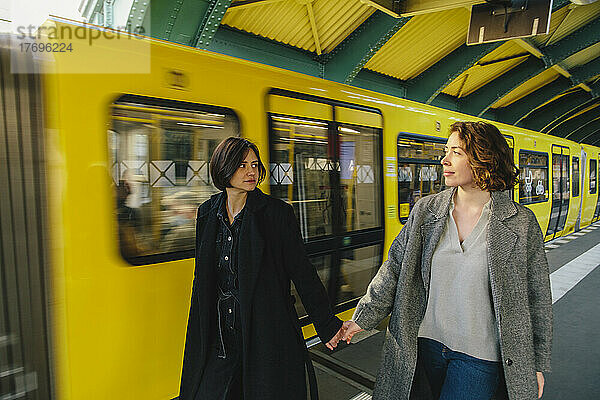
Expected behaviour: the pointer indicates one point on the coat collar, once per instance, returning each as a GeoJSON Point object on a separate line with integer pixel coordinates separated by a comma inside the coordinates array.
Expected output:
{"type": "Point", "coordinates": [255, 201]}
{"type": "Point", "coordinates": [502, 205]}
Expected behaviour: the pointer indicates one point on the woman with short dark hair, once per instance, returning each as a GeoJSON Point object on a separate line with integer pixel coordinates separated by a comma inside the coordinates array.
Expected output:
{"type": "Point", "coordinates": [243, 337]}
{"type": "Point", "coordinates": [467, 285]}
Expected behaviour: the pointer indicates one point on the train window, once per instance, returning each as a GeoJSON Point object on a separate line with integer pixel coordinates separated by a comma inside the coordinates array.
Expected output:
{"type": "Point", "coordinates": [560, 176]}
{"type": "Point", "coordinates": [359, 176]}
{"type": "Point", "coordinates": [419, 171]}
{"type": "Point", "coordinates": [302, 142]}
{"type": "Point", "coordinates": [575, 175]}
{"type": "Point", "coordinates": [593, 176]}
{"type": "Point", "coordinates": [533, 179]}
{"type": "Point", "coordinates": [160, 152]}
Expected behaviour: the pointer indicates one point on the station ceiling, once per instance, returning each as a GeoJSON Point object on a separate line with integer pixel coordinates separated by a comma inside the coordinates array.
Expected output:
{"type": "Point", "coordinates": [548, 83]}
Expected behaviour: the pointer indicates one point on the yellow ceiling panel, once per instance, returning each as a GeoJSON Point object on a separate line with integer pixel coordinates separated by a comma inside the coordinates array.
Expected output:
{"type": "Point", "coordinates": [577, 17]}
{"type": "Point", "coordinates": [423, 41]}
{"type": "Point", "coordinates": [487, 69]}
{"type": "Point", "coordinates": [582, 57]}
{"type": "Point", "coordinates": [541, 79]}
{"type": "Point", "coordinates": [277, 21]}
{"type": "Point", "coordinates": [289, 22]}
{"type": "Point", "coordinates": [338, 19]}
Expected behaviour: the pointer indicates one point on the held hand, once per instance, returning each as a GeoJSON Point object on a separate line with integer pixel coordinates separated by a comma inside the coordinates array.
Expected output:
{"type": "Point", "coordinates": [334, 340]}
{"type": "Point", "coordinates": [540, 381]}
{"type": "Point", "coordinates": [350, 328]}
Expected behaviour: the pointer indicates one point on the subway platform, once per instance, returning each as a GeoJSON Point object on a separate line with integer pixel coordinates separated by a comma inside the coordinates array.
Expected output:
{"type": "Point", "coordinates": [349, 372]}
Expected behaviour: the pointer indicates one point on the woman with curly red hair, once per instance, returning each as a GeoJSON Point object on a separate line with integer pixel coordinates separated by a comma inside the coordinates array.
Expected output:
{"type": "Point", "coordinates": [467, 285]}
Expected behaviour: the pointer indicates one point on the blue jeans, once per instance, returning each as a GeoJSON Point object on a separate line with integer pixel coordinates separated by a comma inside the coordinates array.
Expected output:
{"type": "Point", "coordinates": [457, 376]}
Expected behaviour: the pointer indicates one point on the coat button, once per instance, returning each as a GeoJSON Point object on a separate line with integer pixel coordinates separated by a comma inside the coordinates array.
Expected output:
{"type": "Point", "coordinates": [229, 238]}
{"type": "Point", "coordinates": [230, 311]}
{"type": "Point", "coordinates": [509, 362]}
{"type": "Point", "coordinates": [226, 258]}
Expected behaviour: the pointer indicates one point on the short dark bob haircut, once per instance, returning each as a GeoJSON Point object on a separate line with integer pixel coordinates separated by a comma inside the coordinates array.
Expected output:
{"type": "Point", "coordinates": [228, 157]}
{"type": "Point", "coordinates": [490, 157]}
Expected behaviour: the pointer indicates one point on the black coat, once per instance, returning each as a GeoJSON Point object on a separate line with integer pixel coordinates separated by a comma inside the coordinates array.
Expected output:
{"type": "Point", "coordinates": [271, 254]}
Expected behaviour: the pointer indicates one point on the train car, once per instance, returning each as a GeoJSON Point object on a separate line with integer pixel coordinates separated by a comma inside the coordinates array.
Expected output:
{"type": "Point", "coordinates": [104, 166]}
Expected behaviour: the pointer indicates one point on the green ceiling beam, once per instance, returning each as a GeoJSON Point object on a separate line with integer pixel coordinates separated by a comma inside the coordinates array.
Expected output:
{"type": "Point", "coordinates": [581, 39]}
{"type": "Point", "coordinates": [554, 110]}
{"type": "Point", "coordinates": [481, 100]}
{"type": "Point", "coordinates": [585, 131]}
{"type": "Point", "coordinates": [570, 125]}
{"type": "Point", "coordinates": [596, 136]}
{"type": "Point", "coordinates": [429, 84]}
{"type": "Point", "coordinates": [558, 4]}
{"type": "Point", "coordinates": [189, 22]}
{"type": "Point", "coordinates": [446, 101]}
{"type": "Point", "coordinates": [587, 100]}
{"type": "Point", "coordinates": [347, 59]}
{"type": "Point", "coordinates": [518, 110]}
{"type": "Point", "coordinates": [585, 72]}
{"type": "Point", "coordinates": [210, 23]}
{"type": "Point", "coordinates": [379, 83]}
{"type": "Point", "coordinates": [175, 21]}
{"type": "Point", "coordinates": [425, 87]}
{"type": "Point", "coordinates": [254, 48]}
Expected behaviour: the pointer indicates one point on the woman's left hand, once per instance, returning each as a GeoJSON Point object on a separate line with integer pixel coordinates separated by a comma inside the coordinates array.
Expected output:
{"type": "Point", "coordinates": [334, 340]}
{"type": "Point", "coordinates": [540, 381]}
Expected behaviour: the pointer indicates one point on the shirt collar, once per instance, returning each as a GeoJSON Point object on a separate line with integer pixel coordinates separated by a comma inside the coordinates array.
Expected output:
{"type": "Point", "coordinates": [486, 206]}
{"type": "Point", "coordinates": [222, 211]}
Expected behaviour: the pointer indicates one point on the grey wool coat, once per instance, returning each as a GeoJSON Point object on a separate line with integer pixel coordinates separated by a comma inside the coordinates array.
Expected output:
{"type": "Point", "coordinates": [520, 287]}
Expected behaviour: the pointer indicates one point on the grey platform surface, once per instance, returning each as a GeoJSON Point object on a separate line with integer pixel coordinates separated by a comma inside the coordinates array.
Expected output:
{"type": "Point", "coordinates": [576, 342]}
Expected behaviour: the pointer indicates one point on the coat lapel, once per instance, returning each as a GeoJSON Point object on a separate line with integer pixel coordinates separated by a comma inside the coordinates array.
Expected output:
{"type": "Point", "coordinates": [501, 239]}
{"type": "Point", "coordinates": [205, 255]}
{"type": "Point", "coordinates": [431, 232]}
{"type": "Point", "coordinates": [251, 250]}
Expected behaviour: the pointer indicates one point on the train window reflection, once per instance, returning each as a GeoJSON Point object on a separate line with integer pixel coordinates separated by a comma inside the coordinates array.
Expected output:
{"type": "Point", "coordinates": [419, 171]}
{"type": "Point", "coordinates": [560, 177]}
{"type": "Point", "coordinates": [300, 171]}
{"type": "Point", "coordinates": [593, 180]}
{"type": "Point", "coordinates": [323, 266]}
{"type": "Point", "coordinates": [575, 176]}
{"type": "Point", "coordinates": [159, 159]}
{"type": "Point", "coordinates": [359, 176]}
{"type": "Point", "coordinates": [357, 269]}
{"type": "Point", "coordinates": [533, 177]}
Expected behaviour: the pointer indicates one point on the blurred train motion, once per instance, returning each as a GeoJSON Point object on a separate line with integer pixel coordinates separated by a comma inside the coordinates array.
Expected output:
{"type": "Point", "coordinates": [100, 176]}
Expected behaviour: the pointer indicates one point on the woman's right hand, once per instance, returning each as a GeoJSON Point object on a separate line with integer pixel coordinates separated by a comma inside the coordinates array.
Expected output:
{"type": "Point", "coordinates": [350, 328]}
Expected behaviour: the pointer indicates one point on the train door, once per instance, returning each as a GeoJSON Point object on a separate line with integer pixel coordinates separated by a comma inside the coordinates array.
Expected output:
{"type": "Point", "coordinates": [325, 160]}
{"type": "Point", "coordinates": [511, 144]}
{"type": "Point", "coordinates": [560, 191]}
{"type": "Point", "coordinates": [575, 183]}
{"type": "Point", "coordinates": [597, 212]}
{"type": "Point", "coordinates": [594, 193]}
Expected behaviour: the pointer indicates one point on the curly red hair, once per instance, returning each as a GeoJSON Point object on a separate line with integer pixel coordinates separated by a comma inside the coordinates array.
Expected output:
{"type": "Point", "coordinates": [489, 155]}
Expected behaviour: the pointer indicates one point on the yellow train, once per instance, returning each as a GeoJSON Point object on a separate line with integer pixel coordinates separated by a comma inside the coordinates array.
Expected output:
{"type": "Point", "coordinates": [101, 164]}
